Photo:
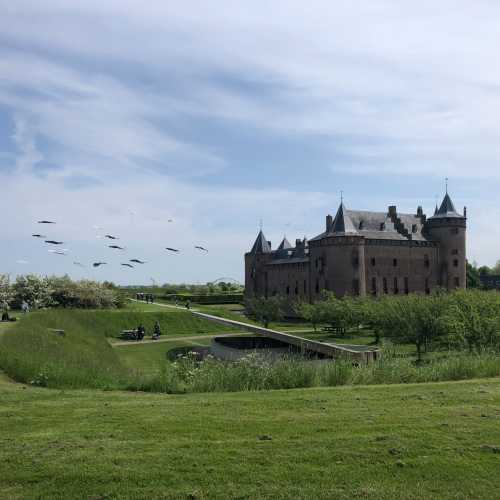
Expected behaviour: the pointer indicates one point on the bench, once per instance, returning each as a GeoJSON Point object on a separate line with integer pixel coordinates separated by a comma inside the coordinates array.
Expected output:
{"type": "Point", "coordinates": [128, 335]}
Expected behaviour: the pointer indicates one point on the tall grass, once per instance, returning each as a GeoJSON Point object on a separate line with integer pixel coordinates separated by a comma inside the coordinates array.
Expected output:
{"type": "Point", "coordinates": [255, 373]}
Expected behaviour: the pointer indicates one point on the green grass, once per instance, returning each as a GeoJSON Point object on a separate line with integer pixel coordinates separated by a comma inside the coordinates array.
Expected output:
{"type": "Point", "coordinates": [148, 357]}
{"type": "Point", "coordinates": [31, 352]}
{"type": "Point", "coordinates": [381, 442]}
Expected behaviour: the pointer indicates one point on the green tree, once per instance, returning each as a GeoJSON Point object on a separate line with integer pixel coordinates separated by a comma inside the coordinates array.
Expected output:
{"type": "Point", "coordinates": [473, 279]}
{"type": "Point", "coordinates": [265, 310]}
{"type": "Point", "coordinates": [33, 289]}
{"type": "Point", "coordinates": [6, 292]}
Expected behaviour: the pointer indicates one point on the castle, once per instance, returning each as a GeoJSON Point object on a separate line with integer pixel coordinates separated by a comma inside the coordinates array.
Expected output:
{"type": "Point", "coordinates": [364, 253]}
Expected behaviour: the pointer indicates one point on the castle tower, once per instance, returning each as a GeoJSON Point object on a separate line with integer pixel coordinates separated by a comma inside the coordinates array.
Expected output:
{"type": "Point", "coordinates": [448, 228]}
{"type": "Point", "coordinates": [256, 279]}
{"type": "Point", "coordinates": [338, 259]}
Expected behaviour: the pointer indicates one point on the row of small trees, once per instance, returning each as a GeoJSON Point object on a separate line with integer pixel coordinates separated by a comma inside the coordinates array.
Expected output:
{"type": "Point", "coordinates": [51, 291]}
{"type": "Point", "coordinates": [460, 319]}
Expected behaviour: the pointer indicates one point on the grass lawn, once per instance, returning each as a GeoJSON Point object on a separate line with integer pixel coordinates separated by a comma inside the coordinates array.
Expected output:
{"type": "Point", "coordinates": [402, 441]}
{"type": "Point", "coordinates": [148, 357]}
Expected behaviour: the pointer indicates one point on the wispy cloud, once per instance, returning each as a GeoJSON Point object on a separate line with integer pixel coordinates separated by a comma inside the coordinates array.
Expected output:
{"type": "Point", "coordinates": [222, 116]}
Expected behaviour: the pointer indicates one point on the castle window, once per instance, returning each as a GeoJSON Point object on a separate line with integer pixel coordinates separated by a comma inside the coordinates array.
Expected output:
{"type": "Point", "coordinates": [288, 290]}
{"type": "Point", "coordinates": [361, 224]}
{"type": "Point", "coordinates": [455, 262]}
{"type": "Point", "coordinates": [407, 286]}
{"type": "Point", "coordinates": [305, 287]}
{"type": "Point", "coordinates": [386, 289]}
{"type": "Point", "coordinates": [373, 261]}
{"type": "Point", "coordinates": [426, 260]}
{"type": "Point", "coordinates": [374, 286]}
{"type": "Point", "coordinates": [456, 281]}
{"type": "Point", "coordinates": [316, 263]}
{"type": "Point", "coordinates": [355, 261]}
{"type": "Point", "coordinates": [396, 289]}
{"type": "Point", "coordinates": [414, 228]}
{"type": "Point", "coordinates": [395, 262]}
{"type": "Point", "coordinates": [355, 286]}
{"type": "Point", "coordinates": [317, 286]}
{"type": "Point", "coordinates": [427, 289]}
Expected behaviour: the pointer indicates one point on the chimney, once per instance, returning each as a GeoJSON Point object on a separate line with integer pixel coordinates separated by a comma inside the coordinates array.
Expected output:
{"type": "Point", "coordinates": [420, 212]}
{"type": "Point", "coordinates": [465, 212]}
{"type": "Point", "coordinates": [393, 212]}
{"type": "Point", "coordinates": [329, 222]}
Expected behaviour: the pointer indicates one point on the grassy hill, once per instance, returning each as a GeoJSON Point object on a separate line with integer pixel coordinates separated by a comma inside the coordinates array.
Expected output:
{"type": "Point", "coordinates": [31, 351]}
{"type": "Point", "coordinates": [413, 441]}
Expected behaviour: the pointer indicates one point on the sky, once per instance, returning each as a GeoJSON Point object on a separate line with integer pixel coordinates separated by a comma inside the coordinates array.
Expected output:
{"type": "Point", "coordinates": [220, 116]}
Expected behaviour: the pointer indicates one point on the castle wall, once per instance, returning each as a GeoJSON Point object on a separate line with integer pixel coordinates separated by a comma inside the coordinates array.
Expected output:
{"type": "Point", "coordinates": [290, 280]}
{"type": "Point", "coordinates": [395, 268]}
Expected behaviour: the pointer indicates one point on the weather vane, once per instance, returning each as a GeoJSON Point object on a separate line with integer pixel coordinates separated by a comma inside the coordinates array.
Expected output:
{"type": "Point", "coordinates": [446, 182]}
{"type": "Point", "coordinates": [341, 196]}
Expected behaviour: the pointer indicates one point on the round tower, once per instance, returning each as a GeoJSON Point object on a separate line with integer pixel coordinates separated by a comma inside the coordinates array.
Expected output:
{"type": "Point", "coordinates": [448, 228]}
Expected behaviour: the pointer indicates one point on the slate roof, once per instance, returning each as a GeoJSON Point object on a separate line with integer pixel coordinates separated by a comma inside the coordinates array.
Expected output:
{"type": "Point", "coordinates": [447, 209]}
{"type": "Point", "coordinates": [373, 225]}
{"type": "Point", "coordinates": [285, 244]}
{"type": "Point", "coordinates": [261, 245]}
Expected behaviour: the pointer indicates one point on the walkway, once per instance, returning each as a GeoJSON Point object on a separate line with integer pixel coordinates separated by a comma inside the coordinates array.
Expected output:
{"type": "Point", "coordinates": [165, 338]}
{"type": "Point", "coordinates": [328, 350]}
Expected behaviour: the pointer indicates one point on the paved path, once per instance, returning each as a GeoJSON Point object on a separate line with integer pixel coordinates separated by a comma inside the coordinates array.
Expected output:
{"type": "Point", "coordinates": [165, 338]}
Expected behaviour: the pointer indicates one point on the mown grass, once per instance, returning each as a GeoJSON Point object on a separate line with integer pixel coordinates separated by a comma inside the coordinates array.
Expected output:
{"type": "Point", "coordinates": [380, 442]}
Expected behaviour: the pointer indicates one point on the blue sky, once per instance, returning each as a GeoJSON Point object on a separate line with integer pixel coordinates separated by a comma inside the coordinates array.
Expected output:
{"type": "Point", "coordinates": [121, 116]}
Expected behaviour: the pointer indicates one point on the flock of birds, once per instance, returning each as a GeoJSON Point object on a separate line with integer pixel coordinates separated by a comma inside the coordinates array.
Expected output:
{"type": "Point", "coordinates": [112, 238]}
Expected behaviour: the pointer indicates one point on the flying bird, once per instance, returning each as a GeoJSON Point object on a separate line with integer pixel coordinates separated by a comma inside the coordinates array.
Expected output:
{"type": "Point", "coordinates": [172, 249]}
{"type": "Point", "coordinates": [170, 220]}
{"type": "Point", "coordinates": [58, 252]}
{"type": "Point", "coordinates": [46, 222]}
{"type": "Point", "coordinates": [137, 261]}
{"type": "Point", "coordinates": [39, 236]}
{"type": "Point", "coordinates": [97, 264]}
{"type": "Point", "coordinates": [111, 237]}
{"type": "Point", "coordinates": [201, 248]}
{"type": "Point", "coordinates": [116, 247]}
{"type": "Point", "coordinates": [53, 242]}
{"type": "Point", "coordinates": [128, 265]}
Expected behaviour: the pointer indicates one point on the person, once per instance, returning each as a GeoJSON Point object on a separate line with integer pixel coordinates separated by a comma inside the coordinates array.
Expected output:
{"type": "Point", "coordinates": [25, 307]}
{"type": "Point", "coordinates": [141, 331]}
{"type": "Point", "coordinates": [156, 331]}
{"type": "Point", "coordinates": [188, 305]}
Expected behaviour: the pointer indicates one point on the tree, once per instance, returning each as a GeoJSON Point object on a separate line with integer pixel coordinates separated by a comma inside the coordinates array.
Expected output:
{"type": "Point", "coordinates": [310, 312]}
{"type": "Point", "coordinates": [6, 292]}
{"type": "Point", "coordinates": [473, 279]}
{"type": "Point", "coordinates": [265, 310]}
{"type": "Point", "coordinates": [33, 289]}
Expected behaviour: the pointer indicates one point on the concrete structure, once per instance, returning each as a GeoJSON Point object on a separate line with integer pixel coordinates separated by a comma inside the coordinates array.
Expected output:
{"type": "Point", "coordinates": [357, 354]}
{"type": "Point", "coordinates": [362, 253]}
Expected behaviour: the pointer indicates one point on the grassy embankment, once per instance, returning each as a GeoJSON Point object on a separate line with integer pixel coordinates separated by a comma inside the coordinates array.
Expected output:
{"type": "Point", "coordinates": [31, 351]}
{"type": "Point", "coordinates": [406, 442]}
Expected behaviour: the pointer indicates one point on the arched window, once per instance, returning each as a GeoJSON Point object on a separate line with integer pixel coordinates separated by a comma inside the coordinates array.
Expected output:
{"type": "Point", "coordinates": [396, 289]}
{"type": "Point", "coordinates": [374, 286]}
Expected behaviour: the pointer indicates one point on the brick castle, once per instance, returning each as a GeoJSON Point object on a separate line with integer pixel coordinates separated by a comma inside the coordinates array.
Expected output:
{"type": "Point", "coordinates": [364, 253]}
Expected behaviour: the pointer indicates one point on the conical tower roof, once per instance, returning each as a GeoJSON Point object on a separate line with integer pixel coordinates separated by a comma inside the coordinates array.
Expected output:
{"type": "Point", "coordinates": [342, 222]}
{"type": "Point", "coordinates": [447, 209]}
{"type": "Point", "coordinates": [261, 245]}
{"type": "Point", "coordinates": [285, 244]}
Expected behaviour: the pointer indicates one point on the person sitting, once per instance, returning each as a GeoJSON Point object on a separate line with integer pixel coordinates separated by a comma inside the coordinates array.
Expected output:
{"type": "Point", "coordinates": [156, 331]}
{"type": "Point", "coordinates": [141, 331]}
